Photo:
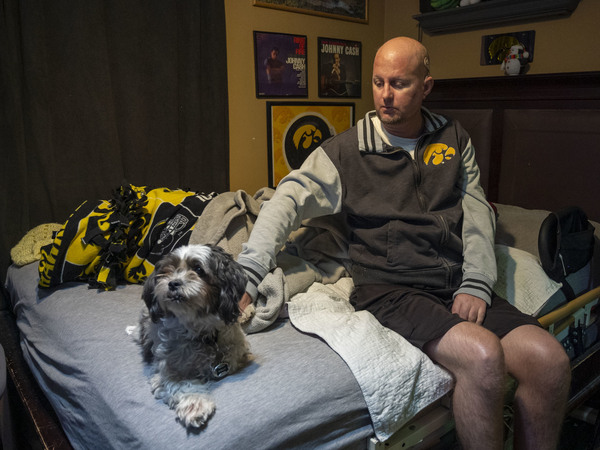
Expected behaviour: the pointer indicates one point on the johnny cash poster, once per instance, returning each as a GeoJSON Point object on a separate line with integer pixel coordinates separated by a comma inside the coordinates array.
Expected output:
{"type": "Point", "coordinates": [339, 68]}
{"type": "Point", "coordinates": [280, 65]}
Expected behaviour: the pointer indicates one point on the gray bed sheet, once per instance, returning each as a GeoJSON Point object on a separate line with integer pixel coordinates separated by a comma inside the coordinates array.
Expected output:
{"type": "Point", "coordinates": [297, 393]}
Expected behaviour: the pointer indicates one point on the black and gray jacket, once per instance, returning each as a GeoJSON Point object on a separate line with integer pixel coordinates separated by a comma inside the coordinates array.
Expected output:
{"type": "Point", "coordinates": [421, 222]}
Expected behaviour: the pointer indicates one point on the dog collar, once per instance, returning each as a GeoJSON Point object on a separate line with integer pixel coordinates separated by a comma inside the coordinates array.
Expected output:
{"type": "Point", "coordinates": [219, 369]}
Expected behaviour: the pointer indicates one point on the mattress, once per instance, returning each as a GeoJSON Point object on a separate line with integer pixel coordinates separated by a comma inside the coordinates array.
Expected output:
{"type": "Point", "coordinates": [296, 393]}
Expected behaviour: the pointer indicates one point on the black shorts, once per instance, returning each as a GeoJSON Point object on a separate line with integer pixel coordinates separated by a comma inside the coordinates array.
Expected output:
{"type": "Point", "coordinates": [422, 316]}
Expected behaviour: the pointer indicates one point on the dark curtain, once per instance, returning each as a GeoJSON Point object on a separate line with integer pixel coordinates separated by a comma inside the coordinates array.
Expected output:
{"type": "Point", "coordinates": [98, 93]}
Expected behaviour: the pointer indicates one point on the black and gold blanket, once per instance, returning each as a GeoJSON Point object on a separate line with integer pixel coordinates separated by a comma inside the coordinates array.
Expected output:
{"type": "Point", "coordinates": [108, 241]}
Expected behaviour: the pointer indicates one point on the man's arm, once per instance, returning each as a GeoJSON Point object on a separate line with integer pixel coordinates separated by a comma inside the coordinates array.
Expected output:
{"type": "Point", "coordinates": [244, 301]}
{"type": "Point", "coordinates": [313, 190]}
{"type": "Point", "coordinates": [479, 228]}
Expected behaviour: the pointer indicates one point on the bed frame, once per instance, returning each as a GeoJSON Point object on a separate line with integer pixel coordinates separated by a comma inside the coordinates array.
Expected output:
{"type": "Point", "coordinates": [524, 160]}
{"type": "Point", "coordinates": [36, 424]}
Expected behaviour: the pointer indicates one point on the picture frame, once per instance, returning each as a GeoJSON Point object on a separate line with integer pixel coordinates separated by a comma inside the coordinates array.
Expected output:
{"type": "Point", "coordinates": [296, 129]}
{"type": "Point", "coordinates": [339, 67]}
{"type": "Point", "coordinates": [280, 64]}
{"type": "Point", "coordinates": [494, 47]}
{"type": "Point", "coordinates": [351, 10]}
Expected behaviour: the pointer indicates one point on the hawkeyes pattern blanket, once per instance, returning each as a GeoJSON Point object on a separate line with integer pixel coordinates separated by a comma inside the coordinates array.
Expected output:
{"type": "Point", "coordinates": [108, 241]}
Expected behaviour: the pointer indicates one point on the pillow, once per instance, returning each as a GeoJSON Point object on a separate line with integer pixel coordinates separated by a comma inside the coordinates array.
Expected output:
{"type": "Point", "coordinates": [29, 248]}
{"type": "Point", "coordinates": [522, 280]}
{"type": "Point", "coordinates": [519, 227]}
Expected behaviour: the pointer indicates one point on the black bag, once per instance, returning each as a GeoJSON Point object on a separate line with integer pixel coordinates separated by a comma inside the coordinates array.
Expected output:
{"type": "Point", "coordinates": [565, 245]}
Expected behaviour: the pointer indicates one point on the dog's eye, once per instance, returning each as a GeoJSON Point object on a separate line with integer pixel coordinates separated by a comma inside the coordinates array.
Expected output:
{"type": "Point", "coordinates": [166, 270]}
{"type": "Point", "coordinates": [200, 271]}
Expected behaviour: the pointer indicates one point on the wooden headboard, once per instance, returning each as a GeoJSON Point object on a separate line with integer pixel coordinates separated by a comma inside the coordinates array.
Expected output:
{"type": "Point", "coordinates": [537, 137]}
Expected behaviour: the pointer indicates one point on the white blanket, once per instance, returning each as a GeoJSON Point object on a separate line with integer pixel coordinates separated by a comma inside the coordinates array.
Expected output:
{"type": "Point", "coordinates": [396, 378]}
{"type": "Point", "coordinates": [522, 280]}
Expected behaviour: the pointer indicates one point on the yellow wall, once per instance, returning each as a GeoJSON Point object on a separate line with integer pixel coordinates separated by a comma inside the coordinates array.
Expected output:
{"type": "Point", "coordinates": [561, 45]}
{"type": "Point", "coordinates": [247, 114]}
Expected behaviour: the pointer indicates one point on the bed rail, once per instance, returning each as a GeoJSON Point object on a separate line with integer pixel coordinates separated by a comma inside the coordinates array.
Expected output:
{"type": "Point", "coordinates": [585, 300]}
{"type": "Point", "coordinates": [37, 425]}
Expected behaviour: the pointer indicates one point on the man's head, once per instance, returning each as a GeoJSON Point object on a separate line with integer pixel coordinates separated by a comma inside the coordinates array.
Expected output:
{"type": "Point", "coordinates": [401, 81]}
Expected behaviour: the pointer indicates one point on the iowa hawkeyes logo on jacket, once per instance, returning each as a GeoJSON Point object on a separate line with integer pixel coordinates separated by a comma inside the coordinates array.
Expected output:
{"type": "Point", "coordinates": [437, 154]}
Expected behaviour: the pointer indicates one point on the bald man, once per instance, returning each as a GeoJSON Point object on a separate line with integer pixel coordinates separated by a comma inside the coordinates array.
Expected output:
{"type": "Point", "coordinates": [421, 244]}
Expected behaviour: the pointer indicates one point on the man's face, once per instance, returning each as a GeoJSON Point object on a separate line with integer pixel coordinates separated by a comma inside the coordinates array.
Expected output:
{"type": "Point", "coordinates": [399, 87]}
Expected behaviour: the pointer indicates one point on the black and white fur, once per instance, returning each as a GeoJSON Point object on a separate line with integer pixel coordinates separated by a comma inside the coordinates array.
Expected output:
{"type": "Point", "coordinates": [190, 331]}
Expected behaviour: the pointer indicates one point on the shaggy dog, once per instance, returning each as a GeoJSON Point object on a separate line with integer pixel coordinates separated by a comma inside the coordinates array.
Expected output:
{"type": "Point", "coordinates": [190, 331]}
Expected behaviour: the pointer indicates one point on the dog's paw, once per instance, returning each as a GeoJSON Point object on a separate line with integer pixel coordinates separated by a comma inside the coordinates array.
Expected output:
{"type": "Point", "coordinates": [194, 410]}
{"type": "Point", "coordinates": [247, 314]}
{"type": "Point", "coordinates": [157, 387]}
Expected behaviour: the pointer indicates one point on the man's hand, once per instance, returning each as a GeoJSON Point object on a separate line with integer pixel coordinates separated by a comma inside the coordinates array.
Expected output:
{"type": "Point", "coordinates": [470, 308]}
{"type": "Point", "coordinates": [244, 301]}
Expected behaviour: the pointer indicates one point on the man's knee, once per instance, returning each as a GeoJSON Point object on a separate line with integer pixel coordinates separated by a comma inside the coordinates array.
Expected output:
{"type": "Point", "coordinates": [539, 358]}
{"type": "Point", "coordinates": [552, 360]}
{"type": "Point", "coordinates": [474, 353]}
{"type": "Point", "coordinates": [555, 356]}
{"type": "Point", "coordinates": [486, 361]}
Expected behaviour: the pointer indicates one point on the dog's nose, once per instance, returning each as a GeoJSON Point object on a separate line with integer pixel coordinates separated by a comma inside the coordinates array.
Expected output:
{"type": "Point", "coordinates": [174, 285]}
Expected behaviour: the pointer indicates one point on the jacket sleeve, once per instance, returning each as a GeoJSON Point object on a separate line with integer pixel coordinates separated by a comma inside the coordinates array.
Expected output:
{"type": "Point", "coordinates": [313, 190]}
{"type": "Point", "coordinates": [479, 229]}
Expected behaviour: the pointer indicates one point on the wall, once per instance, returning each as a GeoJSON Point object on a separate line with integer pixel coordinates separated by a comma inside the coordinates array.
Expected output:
{"type": "Point", "coordinates": [561, 45]}
{"type": "Point", "coordinates": [247, 114]}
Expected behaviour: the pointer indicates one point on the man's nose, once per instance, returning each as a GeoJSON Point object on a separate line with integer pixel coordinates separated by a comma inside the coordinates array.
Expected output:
{"type": "Point", "coordinates": [387, 91]}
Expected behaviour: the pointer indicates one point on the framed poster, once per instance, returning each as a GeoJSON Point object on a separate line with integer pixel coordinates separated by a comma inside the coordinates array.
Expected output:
{"type": "Point", "coordinates": [295, 129]}
{"type": "Point", "coordinates": [495, 47]}
{"type": "Point", "coordinates": [339, 67]}
{"type": "Point", "coordinates": [352, 10]}
{"type": "Point", "coordinates": [280, 65]}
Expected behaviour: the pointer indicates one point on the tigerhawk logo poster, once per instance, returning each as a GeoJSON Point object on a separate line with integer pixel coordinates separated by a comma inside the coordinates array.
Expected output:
{"type": "Point", "coordinates": [296, 129]}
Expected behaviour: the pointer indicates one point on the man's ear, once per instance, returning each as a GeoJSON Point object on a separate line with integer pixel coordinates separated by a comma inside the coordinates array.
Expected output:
{"type": "Point", "coordinates": [427, 86]}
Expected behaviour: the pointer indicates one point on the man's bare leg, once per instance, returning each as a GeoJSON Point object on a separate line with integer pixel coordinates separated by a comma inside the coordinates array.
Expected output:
{"type": "Point", "coordinates": [476, 359]}
{"type": "Point", "coordinates": [539, 363]}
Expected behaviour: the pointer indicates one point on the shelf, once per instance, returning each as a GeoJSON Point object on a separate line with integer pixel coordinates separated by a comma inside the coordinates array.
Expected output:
{"type": "Point", "coordinates": [492, 13]}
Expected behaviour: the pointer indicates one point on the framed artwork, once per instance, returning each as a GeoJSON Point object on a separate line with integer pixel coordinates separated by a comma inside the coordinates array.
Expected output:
{"type": "Point", "coordinates": [295, 129]}
{"type": "Point", "coordinates": [352, 10]}
{"type": "Point", "coordinates": [280, 65]}
{"type": "Point", "coordinates": [339, 67]}
{"type": "Point", "coordinates": [495, 47]}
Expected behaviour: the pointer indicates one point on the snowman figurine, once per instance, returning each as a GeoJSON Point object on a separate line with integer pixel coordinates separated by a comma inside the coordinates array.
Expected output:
{"type": "Point", "coordinates": [515, 62]}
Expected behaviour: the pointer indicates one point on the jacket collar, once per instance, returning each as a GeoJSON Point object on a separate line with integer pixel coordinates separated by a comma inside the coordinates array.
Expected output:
{"type": "Point", "coordinates": [370, 141]}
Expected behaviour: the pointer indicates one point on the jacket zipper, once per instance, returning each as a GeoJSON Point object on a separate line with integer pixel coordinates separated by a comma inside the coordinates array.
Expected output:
{"type": "Point", "coordinates": [417, 172]}
{"type": "Point", "coordinates": [441, 219]}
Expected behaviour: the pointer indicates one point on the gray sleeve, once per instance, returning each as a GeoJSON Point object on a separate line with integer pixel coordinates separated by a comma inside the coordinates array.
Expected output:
{"type": "Point", "coordinates": [479, 228]}
{"type": "Point", "coordinates": [314, 190]}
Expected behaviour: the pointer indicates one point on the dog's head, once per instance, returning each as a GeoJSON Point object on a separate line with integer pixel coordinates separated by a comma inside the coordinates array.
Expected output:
{"type": "Point", "coordinates": [195, 281]}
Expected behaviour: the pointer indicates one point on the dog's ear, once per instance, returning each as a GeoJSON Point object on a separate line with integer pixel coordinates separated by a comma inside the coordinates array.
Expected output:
{"type": "Point", "coordinates": [154, 308]}
{"type": "Point", "coordinates": [232, 283]}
